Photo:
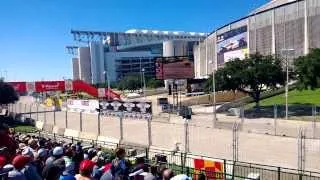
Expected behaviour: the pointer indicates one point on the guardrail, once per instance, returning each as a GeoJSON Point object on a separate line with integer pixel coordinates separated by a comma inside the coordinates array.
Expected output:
{"type": "Point", "coordinates": [183, 163]}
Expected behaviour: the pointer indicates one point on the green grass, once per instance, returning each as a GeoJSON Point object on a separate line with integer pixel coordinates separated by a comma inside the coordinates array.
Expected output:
{"type": "Point", "coordinates": [25, 129]}
{"type": "Point", "coordinates": [294, 97]}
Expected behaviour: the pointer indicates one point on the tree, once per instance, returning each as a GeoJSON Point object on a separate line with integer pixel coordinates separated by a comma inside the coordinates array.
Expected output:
{"type": "Point", "coordinates": [154, 83]}
{"type": "Point", "coordinates": [7, 93]}
{"type": "Point", "coordinates": [307, 69]}
{"type": "Point", "coordinates": [226, 78]}
{"type": "Point", "coordinates": [130, 82]}
{"type": "Point", "coordinates": [253, 75]}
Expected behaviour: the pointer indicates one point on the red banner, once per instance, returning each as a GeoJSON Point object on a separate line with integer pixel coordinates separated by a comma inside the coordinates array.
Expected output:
{"type": "Point", "coordinates": [20, 87]}
{"type": "Point", "coordinates": [42, 86]}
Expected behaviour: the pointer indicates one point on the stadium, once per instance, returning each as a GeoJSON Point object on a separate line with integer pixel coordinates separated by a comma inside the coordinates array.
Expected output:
{"type": "Point", "coordinates": [273, 28]}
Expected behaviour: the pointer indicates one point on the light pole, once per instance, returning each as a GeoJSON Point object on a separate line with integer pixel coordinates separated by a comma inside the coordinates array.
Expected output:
{"type": "Point", "coordinates": [144, 83]}
{"type": "Point", "coordinates": [213, 92]}
{"type": "Point", "coordinates": [106, 78]}
{"type": "Point", "coordinates": [286, 52]}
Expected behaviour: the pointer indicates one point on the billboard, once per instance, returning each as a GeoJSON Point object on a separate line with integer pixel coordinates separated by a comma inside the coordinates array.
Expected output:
{"type": "Point", "coordinates": [129, 107]}
{"type": "Point", "coordinates": [176, 67]}
{"type": "Point", "coordinates": [232, 44]}
{"type": "Point", "coordinates": [42, 86]}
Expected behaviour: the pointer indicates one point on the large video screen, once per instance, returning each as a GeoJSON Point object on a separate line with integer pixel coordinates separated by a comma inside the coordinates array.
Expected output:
{"type": "Point", "coordinates": [232, 44]}
{"type": "Point", "coordinates": [177, 67]}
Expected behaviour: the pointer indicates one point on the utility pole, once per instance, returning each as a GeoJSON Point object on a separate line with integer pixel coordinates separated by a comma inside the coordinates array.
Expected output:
{"type": "Point", "coordinates": [287, 52]}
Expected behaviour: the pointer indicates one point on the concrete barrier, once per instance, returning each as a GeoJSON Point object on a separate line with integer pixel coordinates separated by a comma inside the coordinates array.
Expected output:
{"type": "Point", "coordinates": [108, 139]}
{"type": "Point", "coordinates": [57, 130]}
{"type": "Point", "coordinates": [39, 125]}
{"type": "Point", "coordinates": [89, 136]}
{"type": "Point", "coordinates": [71, 133]}
{"type": "Point", "coordinates": [47, 128]}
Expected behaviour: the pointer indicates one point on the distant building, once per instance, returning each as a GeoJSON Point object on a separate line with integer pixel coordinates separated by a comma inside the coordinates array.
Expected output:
{"type": "Point", "coordinates": [75, 68]}
{"type": "Point", "coordinates": [119, 54]}
{"type": "Point", "coordinates": [275, 26]}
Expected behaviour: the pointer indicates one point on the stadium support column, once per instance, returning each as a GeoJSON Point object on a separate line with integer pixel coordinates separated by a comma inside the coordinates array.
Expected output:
{"type": "Point", "coordinates": [306, 29]}
{"type": "Point", "coordinates": [273, 46]}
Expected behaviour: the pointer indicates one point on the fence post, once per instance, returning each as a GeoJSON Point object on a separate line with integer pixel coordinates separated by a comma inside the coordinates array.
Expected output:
{"type": "Point", "coordinates": [66, 119]}
{"type": "Point", "coordinates": [242, 116]}
{"type": "Point", "coordinates": [54, 117]}
{"type": "Point", "coordinates": [149, 131]}
{"type": "Point", "coordinates": [37, 112]}
{"type": "Point", "coordinates": [30, 109]}
{"type": "Point", "coordinates": [147, 154]}
{"type": "Point", "coordinates": [314, 118]}
{"type": "Point", "coordinates": [279, 173]}
{"type": "Point", "coordinates": [20, 107]}
{"type": "Point", "coordinates": [45, 116]}
{"type": "Point", "coordinates": [275, 111]}
{"type": "Point", "coordinates": [121, 127]}
{"type": "Point", "coordinates": [186, 136]}
{"type": "Point", "coordinates": [81, 121]}
{"type": "Point", "coordinates": [99, 127]}
{"type": "Point", "coordinates": [224, 169]}
{"type": "Point", "coordinates": [25, 108]}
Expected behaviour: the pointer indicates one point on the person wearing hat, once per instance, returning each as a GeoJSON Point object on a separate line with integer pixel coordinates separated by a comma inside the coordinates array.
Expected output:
{"type": "Point", "coordinates": [51, 172]}
{"type": "Point", "coordinates": [119, 166]}
{"type": "Point", "coordinates": [85, 169]}
{"type": "Point", "coordinates": [30, 170]}
{"type": "Point", "coordinates": [57, 153]}
{"type": "Point", "coordinates": [7, 141]}
{"type": "Point", "coordinates": [19, 162]}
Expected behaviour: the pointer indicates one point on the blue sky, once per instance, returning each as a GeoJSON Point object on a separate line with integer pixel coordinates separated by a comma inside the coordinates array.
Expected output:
{"type": "Point", "coordinates": [34, 33]}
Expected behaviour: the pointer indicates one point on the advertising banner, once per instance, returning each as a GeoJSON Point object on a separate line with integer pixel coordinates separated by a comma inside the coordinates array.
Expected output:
{"type": "Point", "coordinates": [130, 107]}
{"type": "Point", "coordinates": [83, 105]}
{"type": "Point", "coordinates": [177, 67]}
{"type": "Point", "coordinates": [42, 86]}
{"type": "Point", "coordinates": [232, 44]}
{"type": "Point", "coordinates": [20, 87]}
{"type": "Point", "coordinates": [211, 169]}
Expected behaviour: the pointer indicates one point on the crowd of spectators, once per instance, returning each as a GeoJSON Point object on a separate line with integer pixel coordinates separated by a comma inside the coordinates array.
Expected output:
{"type": "Point", "coordinates": [28, 157]}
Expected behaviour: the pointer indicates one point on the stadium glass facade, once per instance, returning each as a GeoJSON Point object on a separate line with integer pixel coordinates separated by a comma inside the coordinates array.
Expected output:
{"type": "Point", "coordinates": [277, 25]}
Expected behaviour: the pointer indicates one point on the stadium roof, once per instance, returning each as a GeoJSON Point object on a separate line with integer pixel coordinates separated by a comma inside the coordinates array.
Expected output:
{"type": "Point", "coordinates": [157, 32]}
{"type": "Point", "coordinates": [271, 4]}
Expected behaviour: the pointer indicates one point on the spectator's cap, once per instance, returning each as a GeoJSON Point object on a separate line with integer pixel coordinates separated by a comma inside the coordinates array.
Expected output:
{"type": "Point", "coordinates": [86, 165]}
{"type": "Point", "coordinates": [181, 177]}
{"type": "Point", "coordinates": [41, 142]}
{"type": "Point", "coordinates": [51, 172]}
{"type": "Point", "coordinates": [3, 161]}
{"type": "Point", "coordinates": [19, 161]}
{"type": "Point", "coordinates": [60, 163]}
{"type": "Point", "coordinates": [101, 154]}
{"type": "Point", "coordinates": [32, 142]}
{"type": "Point", "coordinates": [22, 145]}
{"type": "Point", "coordinates": [27, 151]}
{"type": "Point", "coordinates": [85, 156]}
{"type": "Point", "coordinates": [42, 152]}
{"type": "Point", "coordinates": [57, 151]}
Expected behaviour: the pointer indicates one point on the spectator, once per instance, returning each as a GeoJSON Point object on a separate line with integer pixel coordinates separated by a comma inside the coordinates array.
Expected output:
{"type": "Point", "coordinates": [119, 168]}
{"type": "Point", "coordinates": [30, 170]}
{"type": "Point", "coordinates": [7, 141]}
{"type": "Point", "coordinates": [85, 169]}
{"type": "Point", "coordinates": [19, 162]}
{"type": "Point", "coordinates": [51, 172]}
{"type": "Point", "coordinates": [167, 174]}
{"type": "Point", "coordinates": [57, 153]}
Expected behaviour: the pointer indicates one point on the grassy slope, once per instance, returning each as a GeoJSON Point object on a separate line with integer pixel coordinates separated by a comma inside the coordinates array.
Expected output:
{"type": "Point", "coordinates": [295, 97]}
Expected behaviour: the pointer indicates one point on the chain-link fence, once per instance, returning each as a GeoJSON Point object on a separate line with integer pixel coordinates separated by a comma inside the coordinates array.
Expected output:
{"type": "Point", "coordinates": [192, 136]}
